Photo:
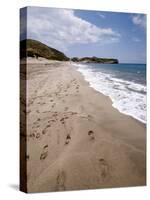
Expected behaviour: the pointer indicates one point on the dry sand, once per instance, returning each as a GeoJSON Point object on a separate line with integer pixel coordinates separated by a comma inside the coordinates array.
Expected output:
{"type": "Point", "coordinates": [75, 138]}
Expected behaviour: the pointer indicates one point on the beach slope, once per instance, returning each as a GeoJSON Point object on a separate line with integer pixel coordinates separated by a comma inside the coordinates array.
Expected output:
{"type": "Point", "coordinates": [75, 138]}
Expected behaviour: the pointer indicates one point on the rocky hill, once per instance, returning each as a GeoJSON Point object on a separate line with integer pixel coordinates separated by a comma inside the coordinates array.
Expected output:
{"type": "Point", "coordinates": [33, 48]}
{"type": "Point", "coordinates": [95, 60]}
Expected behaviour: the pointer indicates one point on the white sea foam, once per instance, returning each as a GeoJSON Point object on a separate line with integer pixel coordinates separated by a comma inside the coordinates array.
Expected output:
{"type": "Point", "coordinates": [128, 97]}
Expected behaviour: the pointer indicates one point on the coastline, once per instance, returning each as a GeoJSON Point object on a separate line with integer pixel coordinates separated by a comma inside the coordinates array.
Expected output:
{"type": "Point", "coordinates": [100, 84]}
{"type": "Point", "coordinates": [76, 139]}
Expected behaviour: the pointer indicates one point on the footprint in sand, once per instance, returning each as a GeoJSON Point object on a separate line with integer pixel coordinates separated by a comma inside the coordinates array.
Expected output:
{"type": "Point", "coordinates": [66, 117]}
{"type": "Point", "coordinates": [53, 105]}
{"type": "Point", "coordinates": [38, 119]}
{"type": "Point", "coordinates": [55, 114]}
{"type": "Point", "coordinates": [73, 113]}
{"type": "Point", "coordinates": [46, 146]}
{"type": "Point", "coordinates": [91, 135]}
{"type": "Point", "coordinates": [45, 129]}
{"type": "Point", "coordinates": [50, 121]}
{"type": "Point", "coordinates": [89, 117]}
{"type": "Point", "coordinates": [68, 138]}
{"type": "Point", "coordinates": [43, 103]}
{"type": "Point", "coordinates": [48, 125]}
{"type": "Point", "coordinates": [37, 135]}
{"type": "Point", "coordinates": [66, 108]}
{"type": "Point", "coordinates": [44, 153]}
{"type": "Point", "coordinates": [32, 135]}
{"type": "Point", "coordinates": [61, 178]}
{"type": "Point", "coordinates": [104, 168]}
{"type": "Point", "coordinates": [62, 120]}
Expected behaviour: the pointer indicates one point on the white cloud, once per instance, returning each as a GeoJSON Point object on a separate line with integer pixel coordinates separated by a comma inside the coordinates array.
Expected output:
{"type": "Point", "coordinates": [136, 39]}
{"type": "Point", "coordinates": [139, 19]}
{"type": "Point", "coordinates": [60, 28]}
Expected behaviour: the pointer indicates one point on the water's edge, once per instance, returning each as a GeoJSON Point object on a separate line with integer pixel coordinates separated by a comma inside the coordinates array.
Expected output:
{"type": "Point", "coordinates": [114, 103]}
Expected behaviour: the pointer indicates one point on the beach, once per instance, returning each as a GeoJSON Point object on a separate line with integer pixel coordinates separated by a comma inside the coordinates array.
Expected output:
{"type": "Point", "coordinates": [76, 139]}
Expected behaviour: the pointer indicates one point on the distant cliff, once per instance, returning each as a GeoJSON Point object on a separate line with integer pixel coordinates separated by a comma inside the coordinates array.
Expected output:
{"type": "Point", "coordinates": [33, 48]}
{"type": "Point", "coordinates": [95, 60]}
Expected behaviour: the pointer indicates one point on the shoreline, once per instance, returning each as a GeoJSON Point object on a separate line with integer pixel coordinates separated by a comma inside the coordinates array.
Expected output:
{"type": "Point", "coordinates": [134, 118]}
{"type": "Point", "coordinates": [111, 98]}
{"type": "Point", "coordinates": [76, 139]}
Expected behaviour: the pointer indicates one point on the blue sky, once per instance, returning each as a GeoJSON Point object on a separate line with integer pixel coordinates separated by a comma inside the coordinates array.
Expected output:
{"type": "Point", "coordinates": [89, 33]}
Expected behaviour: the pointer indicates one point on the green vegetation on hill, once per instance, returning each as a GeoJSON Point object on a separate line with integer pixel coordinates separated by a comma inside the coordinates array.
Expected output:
{"type": "Point", "coordinates": [33, 48]}
{"type": "Point", "coordinates": [95, 60]}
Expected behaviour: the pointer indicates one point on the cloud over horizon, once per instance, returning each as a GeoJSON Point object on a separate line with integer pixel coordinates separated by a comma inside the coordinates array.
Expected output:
{"type": "Point", "coordinates": [61, 28]}
{"type": "Point", "coordinates": [87, 33]}
{"type": "Point", "coordinates": [139, 19]}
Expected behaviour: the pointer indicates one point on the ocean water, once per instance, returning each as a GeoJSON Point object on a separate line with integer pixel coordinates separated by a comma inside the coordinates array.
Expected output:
{"type": "Point", "coordinates": [125, 84]}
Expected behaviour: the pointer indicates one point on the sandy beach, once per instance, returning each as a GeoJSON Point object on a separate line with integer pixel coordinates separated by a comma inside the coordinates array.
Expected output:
{"type": "Point", "coordinates": [75, 138]}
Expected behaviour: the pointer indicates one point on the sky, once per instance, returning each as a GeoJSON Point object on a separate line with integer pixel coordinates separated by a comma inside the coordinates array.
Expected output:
{"type": "Point", "coordinates": [79, 33]}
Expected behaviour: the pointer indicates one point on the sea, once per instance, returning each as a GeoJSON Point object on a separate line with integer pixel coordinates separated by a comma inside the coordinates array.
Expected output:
{"type": "Point", "coordinates": [125, 84]}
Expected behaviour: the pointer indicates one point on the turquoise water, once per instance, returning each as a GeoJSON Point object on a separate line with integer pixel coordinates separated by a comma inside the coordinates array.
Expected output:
{"type": "Point", "coordinates": [125, 84]}
{"type": "Point", "coordinates": [130, 72]}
